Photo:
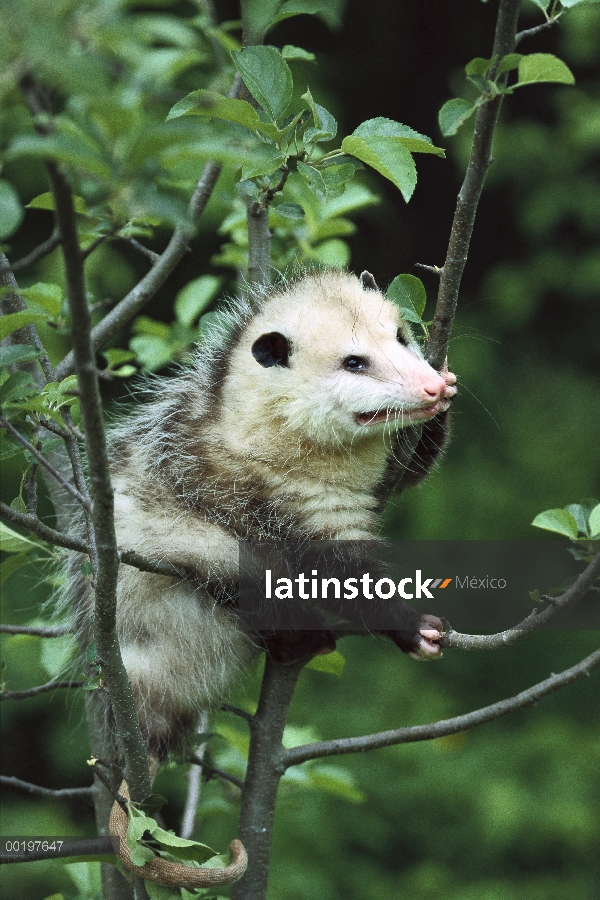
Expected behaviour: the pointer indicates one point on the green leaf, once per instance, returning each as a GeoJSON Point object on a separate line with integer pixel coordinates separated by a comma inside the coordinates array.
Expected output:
{"type": "Point", "coordinates": [325, 9]}
{"type": "Point", "coordinates": [152, 352]}
{"type": "Point", "coordinates": [13, 542]}
{"type": "Point", "coordinates": [411, 139]}
{"type": "Point", "coordinates": [264, 161]}
{"type": "Point", "coordinates": [163, 891]}
{"type": "Point", "coordinates": [46, 201]}
{"type": "Point", "coordinates": [508, 62]}
{"type": "Point", "coordinates": [213, 105]}
{"type": "Point", "coordinates": [540, 67]}
{"type": "Point", "coordinates": [193, 299]}
{"type": "Point", "coordinates": [334, 254]}
{"type": "Point", "coordinates": [557, 520]}
{"type": "Point", "coordinates": [86, 570]}
{"type": "Point", "coordinates": [408, 291]}
{"type": "Point", "coordinates": [289, 210]}
{"type": "Point", "coordinates": [47, 296]}
{"type": "Point", "coordinates": [116, 357]}
{"type": "Point", "coordinates": [594, 522]}
{"type": "Point", "coordinates": [13, 354]}
{"type": "Point", "coordinates": [11, 209]}
{"type": "Point", "coordinates": [332, 663]}
{"type": "Point", "coordinates": [259, 15]}
{"type": "Point", "coordinates": [14, 321]}
{"type": "Point", "coordinates": [455, 113]}
{"type": "Point", "coordinates": [267, 76]}
{"type": "Point", "coordinates": [388, 156]}
{"type": "Point", "coordinates": [291, 52]}
{"type": "Point", "coordinates": [141, 855]}
{"type": "Point", "coordinates": [91, 652]}
{"type": "Point", "coordinates": [543, 4]}
{"type": "Point", "coordinates": [314, 179]}
{"type": "Point", "coordinates": [63, 148]}
{"type": "Point", "coordinates": [17, 387]}
{"type": "Point", "coordinates": [479, 66]}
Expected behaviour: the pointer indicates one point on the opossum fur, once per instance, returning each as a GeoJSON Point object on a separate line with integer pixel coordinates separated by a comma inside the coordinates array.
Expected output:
{"type": "Point", "coordinates": [284, 428]}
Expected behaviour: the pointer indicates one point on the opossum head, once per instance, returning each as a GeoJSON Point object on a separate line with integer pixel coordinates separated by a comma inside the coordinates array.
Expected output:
{"type": "Point", "coordinates": [329, 359]}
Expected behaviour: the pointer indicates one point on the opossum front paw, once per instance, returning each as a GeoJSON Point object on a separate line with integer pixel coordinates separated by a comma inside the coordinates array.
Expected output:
{"type": "Point", "coordinates": [450, 379]}
{"type": "Point", "coordinates": [423, 643]}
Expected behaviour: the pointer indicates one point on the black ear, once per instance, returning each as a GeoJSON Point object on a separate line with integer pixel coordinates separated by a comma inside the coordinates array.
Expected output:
{"type": "Point", "coordinates": [368, 282]}
{"type": "Point", "coordinates": [271, 349]}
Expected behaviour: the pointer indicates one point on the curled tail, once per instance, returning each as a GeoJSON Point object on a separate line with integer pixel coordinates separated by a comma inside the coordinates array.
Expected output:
{"type": "Point", "coordinates": [166, 872]}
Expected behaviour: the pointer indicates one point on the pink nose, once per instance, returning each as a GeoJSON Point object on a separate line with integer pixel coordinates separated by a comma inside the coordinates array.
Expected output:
{"type": "Point", "coordinates": [434, 389]}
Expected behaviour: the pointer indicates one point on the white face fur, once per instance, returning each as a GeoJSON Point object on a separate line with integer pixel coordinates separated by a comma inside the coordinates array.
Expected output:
{"type": "Point", "coordinates": [330, 361]}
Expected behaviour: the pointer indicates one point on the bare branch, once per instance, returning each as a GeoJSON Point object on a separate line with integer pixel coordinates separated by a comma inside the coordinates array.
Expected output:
{"type": "Point", "coordinates": [46, 247]}
{"type": "Point", "coordinates": [194, 789]}
{"type": "Point", "coordinates": [40, 689]}
{"type": "Point", "coordinates": [81, 793]}
{"type": "Point", "coordinates": [470, 192]}
{"type": "Point", "coordinates": [226, 707]}
{"type": "Point", "coordinates": [37, 630]}
{"type": "Point", "coordinates": [152, 256]}
{"type": "Point", "coordinates": [42, 459]}
{"type": "Point", "coordinates": [99, 846]}
{"type": "Point", "coordinates": [530, 32]}
{"type": "Point", "coordinates": [433, 730]}
{"type": "Point", "coordinates": [213, 770]}
{"type": "Point", "coordinates": [534, 622]}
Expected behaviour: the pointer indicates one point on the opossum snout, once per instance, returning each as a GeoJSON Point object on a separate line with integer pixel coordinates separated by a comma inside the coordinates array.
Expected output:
{"type": "Point", "coordinates": [433, 388]}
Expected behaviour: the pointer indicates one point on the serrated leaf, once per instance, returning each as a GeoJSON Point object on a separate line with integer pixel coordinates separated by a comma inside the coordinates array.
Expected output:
{"type": "Point", "coordinates": [13, 321]}
{"type": "Point", "coordinates": [267, 76]}
{"type": "Point", "coordinates": [11, 209]}
{"type": "Point", "coordinates": [265, 160]}
{"type": "Point", "coordinates": [581, 515]}
{"type": "Point", "coordinates": [291, 52]}
{"type": "Point", "coordinates": [412, 140]}
{"type": "Point", "coordinates": [558, 520]}
{"type": "Point", "coordinates": [259, 15]}
{"type": "Point", "coordinates": [13, 354]}
{"type": "Point", "coordinates": [164, 892]}
{"type": "Point", "coordinates": [213, 105]}
{"type": "Point", "coordinates": [46, 201]}
{"type": "Point", "coordinates": [289, 210]}
{"type": "Point", "coordinates": [535, 596]}
{"type": "Point", "coordinates": [388, 156]}
{"type": "Point", "coordinates": [13, 542]}
{"type": "Point", "coordinates": [182, 848]}
{"type": "Point", "coordinates": [314, 179]}
{"type": "Point", "coordinates": [48, 296]}
{"type": "Point", "coordinates": [17, 387]}
{"type": "Point", "coordinates": [543, 67]}
{"type": "Point", "coordinates": [453, 114]}
{"type": "Point", "coordinates": [192, 300]}
{"type": "Point", "coordinates": [594, 522]}
{"type": "Point", "coordinates": [408, 291]}
{"type": "Point", "coordinates": [332, 663]}
{"type": "Point", "coordinates": [141, 855]}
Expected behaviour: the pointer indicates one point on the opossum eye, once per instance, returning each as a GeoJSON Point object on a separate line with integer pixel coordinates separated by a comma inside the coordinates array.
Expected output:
{"type": "Point", "coordinates": [271, 349]}
{"type": "Point", "coordinates": [355, 363]}
{"type": "Point", "coordinates": [401, 338]}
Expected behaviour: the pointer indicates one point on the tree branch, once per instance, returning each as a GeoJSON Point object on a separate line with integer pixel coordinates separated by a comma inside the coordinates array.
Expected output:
{"type": "Point", "coordinates": [36, 630]}
{"type": "Point", "coordinates": [44, 462]}
{"type": "Point", "coordinates": [533, 622]}
{"type": "Point", "coordinates": [220, 773]}
{"type": "Point", "coordinates": [98, 846]}
{"type": "Point", "coordinates": [530, 32]}
{"type": "Point", "coordinates": [13, 302]}
{"type": "Point", "coordinates": [46, 247]}
{"type": "Point", "coordinates": [80, 793]}
{"type": "Point", "coordinates": [265, 768]}
{"type": "Point", "coordinates": [433, 730]}
{"type": "Point", "coordinates": [468, 198]}
{"type": "Point", "coordinates": [39, 689]}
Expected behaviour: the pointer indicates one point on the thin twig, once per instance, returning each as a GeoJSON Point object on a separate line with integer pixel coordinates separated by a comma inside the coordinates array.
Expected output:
{"type": "Point", "coordinates": [37, 630]}
{"type": "Point", "coordinates": [42, 250]}
{"type": "Point", "coordinates": [31, 487]}
{"type": "Point", "coordinates": [39, 689]}
{"type": "Point", "coordinates": [152, 256]}
{"type": "Point", "coordinates": [13, 302]}
{"type": "Point", "coordinates": [42, 459]}
{"type": "Point", "coordinates": [532, 623]}
{"type": "Point", "coordinates": [530, 32]}
{"type": "Point", "coordinates": [226, 707]}
{"type": "Point", "coordinates": [80, 793]}
{"type": "Point", "coordinates": [213, 770]}
{"type": "Point", "coordinates": [528, 697]}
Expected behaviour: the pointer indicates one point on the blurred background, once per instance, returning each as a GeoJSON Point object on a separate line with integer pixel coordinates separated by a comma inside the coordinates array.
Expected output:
{"type": "Point", "coordinates": [511, 809]}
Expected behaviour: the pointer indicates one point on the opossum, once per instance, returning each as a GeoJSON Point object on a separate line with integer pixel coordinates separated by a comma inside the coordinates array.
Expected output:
{"type": "Point", "coordinates": [284, 428]}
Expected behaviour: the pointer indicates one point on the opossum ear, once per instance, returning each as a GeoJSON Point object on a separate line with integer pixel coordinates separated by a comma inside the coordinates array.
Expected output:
{"type": "Point", "coordinates": [271, 349]}
{"type": "Point", "coordinates": [368, 282]}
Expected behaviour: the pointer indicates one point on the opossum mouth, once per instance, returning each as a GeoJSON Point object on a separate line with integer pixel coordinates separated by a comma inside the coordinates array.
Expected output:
{"type": "Point", "coordinates": [404, 416]}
